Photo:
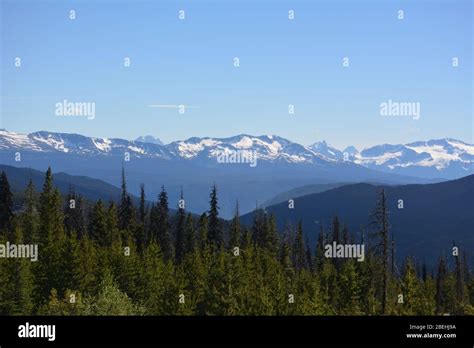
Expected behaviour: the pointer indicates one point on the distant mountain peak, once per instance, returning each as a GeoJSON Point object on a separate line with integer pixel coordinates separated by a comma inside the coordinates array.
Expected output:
{"type": "Point", "coordinates": [351, 150]}
{"type": "Point", "coordinates": [149, 139]}
{"type": "Point", "coordinates": [322, 148]}
{"type": "Point", "coordinates": [446, 158]}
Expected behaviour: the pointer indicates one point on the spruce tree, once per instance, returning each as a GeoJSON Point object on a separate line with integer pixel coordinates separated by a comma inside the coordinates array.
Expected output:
{"type": "Point", "coordinates": [203, 231]}
{"type": "Point", "coordinates": [235, 229]}
{"type": "Point", "coordinates": [126, 213]}
{"type": "Point", "coordinates": [300, 253]}
{"type": "Point", "coordinates": [458, 273]}
{"type": "Point", "coordinates": [17, 286]}
{"type": "Point", "coordinates": [441, 301]}
{"type": "Point", "coordinates": [6, 206]}
{"type": "Point", "coordinates": [141, 229]}
{"type": "Point", "coordinates": [319, 251]}
{"type": "Point", "coordinates": [30, 217]}
{"type": "Point", "coordinates": [51, 216]}
{"type": "Point", "coordinates": [74, 221]}
{"type": "Point", "coordinates": [160, 225]}
{"type": "Point", "coordinates": [112, 224]}
{"type": "Point", "coordinates": [214, 229]}
{"type": "Point", "coordinates": [98, 230]}
{"type": "Point", "coordinates": [380, 221]}
{"type": "Point", "coordinates": [190, 237]}
{"type": "Point", "coordinates": [180, 231]}
{"type": "Point", "coordinates": [48, 269]}
{"type": "Point", "coordinates": [258, 226]}
{"type": "Point", "coordinates": [271, 235]}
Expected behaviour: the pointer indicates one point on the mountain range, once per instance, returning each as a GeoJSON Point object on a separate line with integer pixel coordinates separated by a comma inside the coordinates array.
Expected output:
{"type": "Point", "coordinates": [430, 218]}
{"type": "Point", "coordinates": [193, 164]}
{"type": "Point", "coordinates": [442, 158]}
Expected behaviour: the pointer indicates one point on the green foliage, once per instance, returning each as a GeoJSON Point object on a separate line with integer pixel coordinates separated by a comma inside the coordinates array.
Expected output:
{"type": "Point", "coordinates": [145, 263]}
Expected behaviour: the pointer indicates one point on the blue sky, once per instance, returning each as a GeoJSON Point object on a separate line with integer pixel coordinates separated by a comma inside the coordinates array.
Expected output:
{"type": "Point", "coordinates": [282, 62]}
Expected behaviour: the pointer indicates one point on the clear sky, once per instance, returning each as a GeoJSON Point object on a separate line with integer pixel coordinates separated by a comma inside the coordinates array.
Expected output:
{"type": "Point", "coordinates": [282, 62]}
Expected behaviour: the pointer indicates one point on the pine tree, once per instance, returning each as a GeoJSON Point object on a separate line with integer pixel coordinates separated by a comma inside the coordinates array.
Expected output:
{"type": "Point", "coordinates": [30, 217]}
{"type": "Point", "coordinates": [6, 206]}
{"type": "Point", "coordinates": [412, 298]}
{"type": "Point", "coordinates": [48, 270]}
{"type": "Point", "coordinates": [158, 279]}
{"type": "Point", "coordinates": [112, 301]}
{"type": "Point", "coordinates": [235, 229]}
{"type": "Point", "coordinates": [180, 231]}
{"type": "Point", "coordinates": [74, 214]}
{"type": "Point", "coordinates": [140, 231]}
{"type": "Point", "coordinates": [17, 285]}
{"type": "Point", "coordinates": [440, 287]}
{"type": "Point", "coordinates": [271, 237]}
{"type": "Point", "coordinates": [203, 232]}
{"type": "Point", "coordinates": [286, 257]}
{"type": "Point", "coordinates": [380, 220]}
{"type": "Point", "coordinates": [160, 225]}
{"type": "Point", "coordinates": [319, 251]}
{"type": "Point", "coordinates": [69, 207]}
{"type": "Point", "coordinates": [98, 230]}
{"type": "Point", "coordinates": [258, 227]}
{"type": "Point", "coordinates": [126, 214]}
{"type": "Point", "coordinates": [112, 224]}
{"type": "Point", "coordinates": [190, 238]}
{"type": "Point", "coordinates": [142, 207]}
{"type": "Point", "coordinates": [300, 254]}
{"type": "Point", "coordinates": [458, 272]}
{"type": "Point", "coordinates": [309, 257]}
{"type": "Point", "coordinates": [51, 215]}
{"type": "Point", "coordinates": [214, 229]}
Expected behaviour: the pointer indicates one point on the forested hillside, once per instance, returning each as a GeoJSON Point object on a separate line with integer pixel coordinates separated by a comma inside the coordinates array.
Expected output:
{"type": "Point", "coordinates": [127, 259]}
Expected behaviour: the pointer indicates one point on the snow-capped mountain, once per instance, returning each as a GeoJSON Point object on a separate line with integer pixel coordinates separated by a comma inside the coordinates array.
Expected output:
{"type": "Point", "coordinates": [268, 148]}
{"type": "Point", "coordinates": [149, 139]}
{"type": "Point", "coordinates": [443, 158]}
{"type": "Point", "coordinates": [324, 149]}
{"type": "Point", "coordinates": [78, 144]}
{"type": "Point", "coordinates": [435, 158]}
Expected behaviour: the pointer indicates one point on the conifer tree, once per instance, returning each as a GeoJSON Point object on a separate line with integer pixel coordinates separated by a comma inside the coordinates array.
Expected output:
{"type": "Point", "coordinates": [112, 224]}
{"type": "Point", "coordinates": [74, 214]}
{"type": "Point", "coordinates": [160, 225]}
{"type": "Point", "coordinates": [235, 229]}
{"type": "Point", "coordinates": [51, 215]}
{"type": "Point", "coordinates": [440, 287]}
{"type": "Point", "coordinates": [319, 250]}
{"type": "Point", "coordinates": [412, 300]}
{"type": "Point", "coordinates": [380, 221]}
{"type": "Point", "coordinates": [17, 284]}
{"type": "Point", "coordinates": [126, 214]}
{"type": "Point", "coordinates": [30, 217]}
{"type": "Point", "coordinates": [190, 237]}
{"type": "Point", "coordinates": [309, 257]}
{"type": "Point", "coordinates": [214, 230]}
{"type": "Point", "coordinates": [203, 232]}
{"type": "Point", "coordinates": [142, 207]}
{"type": "Point", "coordinates": [458, 271]}
{"type": "Point", "coordinates": [300, 253]}
{"type": "Point", "coordinates": [6, 206]}
{"type": "Point", "coordinates": [180, 231]}
{"type": "Point", "coordinates": [271, 238]}
{"type": "Point", "coordinates": [48, 269]}
{"type": "Point", "coordinates": [258, 227]}
{"type": "Point", "coordinates": [140, 231]}
{"type": "Point", "coordinates": [98, 228]}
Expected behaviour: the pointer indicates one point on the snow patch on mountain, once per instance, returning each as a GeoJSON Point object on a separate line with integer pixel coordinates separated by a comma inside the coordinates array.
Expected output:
{"type": "Point", "coordinates": [433, 158]}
